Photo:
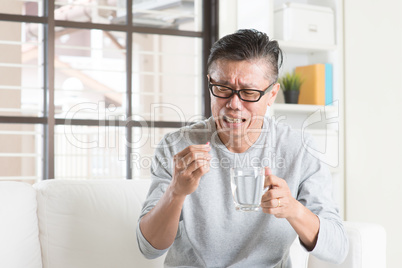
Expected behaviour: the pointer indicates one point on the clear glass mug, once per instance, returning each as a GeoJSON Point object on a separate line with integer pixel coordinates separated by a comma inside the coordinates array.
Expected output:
{"type": "Point", "coordinates": [247, 187]}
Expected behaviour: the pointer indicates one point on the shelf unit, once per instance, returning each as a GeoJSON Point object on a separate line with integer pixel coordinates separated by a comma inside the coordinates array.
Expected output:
{"type": "Point", "coordinates": [300, 47]}
{"type": "Point", "coordinates": [302, 108]}
{"type": "Point", "coordinates": [325, 123]}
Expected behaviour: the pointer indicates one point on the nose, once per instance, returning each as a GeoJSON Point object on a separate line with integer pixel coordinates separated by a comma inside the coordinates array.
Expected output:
{"type": "Point", "coordinates": [234, 103]}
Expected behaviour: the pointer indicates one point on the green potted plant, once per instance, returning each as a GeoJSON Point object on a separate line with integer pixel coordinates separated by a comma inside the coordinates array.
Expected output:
{"type": "Point", "coordinates": [290, 84]}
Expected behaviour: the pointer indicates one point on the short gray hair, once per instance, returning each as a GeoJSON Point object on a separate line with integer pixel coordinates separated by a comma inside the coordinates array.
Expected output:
{"type": "Point", "coordinates": [248, 44]}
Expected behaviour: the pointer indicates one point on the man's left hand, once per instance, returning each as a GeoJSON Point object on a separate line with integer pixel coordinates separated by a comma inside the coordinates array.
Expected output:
{"type": "Point", "coordinates": [278, 200]}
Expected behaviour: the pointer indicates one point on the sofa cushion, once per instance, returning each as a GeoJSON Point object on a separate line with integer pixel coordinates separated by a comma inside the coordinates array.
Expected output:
{"type": "Point", "coordinates": [367, 247]}
{"type": "Point", "coordinates": [298, 255]}
{"type": "Point", "coordinates": [91, 224]}
{"type": "Point", "coordinates": [19, 234]}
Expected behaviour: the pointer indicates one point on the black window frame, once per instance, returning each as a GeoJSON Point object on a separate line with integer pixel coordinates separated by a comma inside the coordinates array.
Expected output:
{"type": "Point", "coordinates": [209, 35]}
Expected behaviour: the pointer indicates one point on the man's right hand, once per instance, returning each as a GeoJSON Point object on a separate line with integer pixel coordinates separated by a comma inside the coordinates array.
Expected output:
{"type": "Point", "coordinates": [160, 225]}
{"type": "Point", "coordinates": [189, 166]}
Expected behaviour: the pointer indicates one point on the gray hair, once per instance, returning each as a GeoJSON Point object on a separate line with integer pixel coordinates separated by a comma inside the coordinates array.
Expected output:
{"type": "Point", "coordinates": [248, 44]}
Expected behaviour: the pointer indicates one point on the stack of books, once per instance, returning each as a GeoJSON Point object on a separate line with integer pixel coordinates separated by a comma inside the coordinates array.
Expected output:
{"type": "Point", "coordinates": [317, 87]}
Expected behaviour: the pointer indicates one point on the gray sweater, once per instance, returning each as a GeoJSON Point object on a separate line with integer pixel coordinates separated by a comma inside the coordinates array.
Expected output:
{"type": "Point", "coordinates": [212, 233]}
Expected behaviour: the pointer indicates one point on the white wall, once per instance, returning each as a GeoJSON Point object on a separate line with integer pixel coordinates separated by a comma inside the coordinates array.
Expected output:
{"type": "Point", "coordinates": [373, 110]}
{"type": "Point", "coordinates": [236, 14]}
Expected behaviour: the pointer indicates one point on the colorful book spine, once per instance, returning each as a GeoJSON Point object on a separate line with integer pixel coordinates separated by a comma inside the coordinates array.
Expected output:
{"type": "Point", "coordinates": [329, 99]}
{"type": "Point", "coordinates": [317, 86]}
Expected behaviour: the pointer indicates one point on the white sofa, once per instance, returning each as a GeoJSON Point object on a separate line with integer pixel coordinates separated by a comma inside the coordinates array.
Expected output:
{"type": "Point", "coordinates": [91, 224]}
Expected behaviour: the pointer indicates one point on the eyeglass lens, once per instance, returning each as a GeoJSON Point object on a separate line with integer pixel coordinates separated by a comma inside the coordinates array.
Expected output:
{"type": "Point", "coordinates": [245, 94]}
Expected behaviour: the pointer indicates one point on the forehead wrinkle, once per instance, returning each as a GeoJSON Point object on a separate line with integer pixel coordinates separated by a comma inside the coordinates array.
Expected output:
{"type": "Point", "coordinates": [234, 74]}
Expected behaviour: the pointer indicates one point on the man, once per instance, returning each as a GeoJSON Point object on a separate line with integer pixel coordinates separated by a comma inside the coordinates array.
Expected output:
{"type": "Point", "coordinates": [189, 209]}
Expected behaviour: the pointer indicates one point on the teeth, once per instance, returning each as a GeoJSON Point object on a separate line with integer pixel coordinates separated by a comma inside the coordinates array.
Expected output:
{"type": "Point", "coordinates": [233, 120]}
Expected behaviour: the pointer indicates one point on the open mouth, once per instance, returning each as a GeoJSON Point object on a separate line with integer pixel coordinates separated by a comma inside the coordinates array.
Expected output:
{"type": "Point", "coordinates": [232, 120]}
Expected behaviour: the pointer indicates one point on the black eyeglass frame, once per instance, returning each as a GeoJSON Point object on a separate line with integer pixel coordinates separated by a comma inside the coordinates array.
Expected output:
{"type": "Point", "coordinates": [237, 92]}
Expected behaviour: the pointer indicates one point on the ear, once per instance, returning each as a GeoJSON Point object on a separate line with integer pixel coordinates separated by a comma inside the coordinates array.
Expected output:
{"type": "Point", "coordinates": [273, 94]}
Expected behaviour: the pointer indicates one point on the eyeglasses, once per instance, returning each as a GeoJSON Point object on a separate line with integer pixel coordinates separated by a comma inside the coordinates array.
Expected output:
{"type": "Point", "coordinates": [249, 95]}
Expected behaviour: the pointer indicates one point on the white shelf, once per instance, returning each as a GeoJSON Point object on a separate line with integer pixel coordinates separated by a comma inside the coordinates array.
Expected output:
{"type": "Point", "coordinates": [302, 47]}
{"type": "Point", "coordinates": [301, 108]}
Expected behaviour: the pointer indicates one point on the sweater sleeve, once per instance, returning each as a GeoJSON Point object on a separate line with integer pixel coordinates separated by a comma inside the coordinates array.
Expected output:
{"type": "Point", "coordinates": [161, 176]}
{"type": "Point", "coordinates": [315, 192]}
{"type": "Point", "coordinates": [146, 248]}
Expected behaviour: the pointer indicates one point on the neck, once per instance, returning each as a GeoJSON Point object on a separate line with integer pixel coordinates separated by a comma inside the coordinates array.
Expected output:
{"type": "Point", "coordinates": [239, 143]}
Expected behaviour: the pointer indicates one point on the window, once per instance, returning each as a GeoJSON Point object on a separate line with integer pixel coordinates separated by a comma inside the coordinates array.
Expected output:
{"type": "Point", "coordinates": [89, 87]}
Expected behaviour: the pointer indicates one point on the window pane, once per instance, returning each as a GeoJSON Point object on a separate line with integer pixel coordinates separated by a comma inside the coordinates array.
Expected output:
{"type": "Point", "coordinates": [143, 146]}
{"type": "Point", "coordinates": [21, 69]}
{"type": "Point", "coordinates": [90, 74]}
{"type": "Point", "coordinates": [174, 14]}
{"type": "Point", "coordinates": [95, 11]}
{"type": "Point", "coordinates": [21, 152]}
{"type": "Point", "coordinates": [90, 152]}
{"type": "Point", "coordinates": [166, 78]}
{"type": "Point", "coordinates": [22, 7]}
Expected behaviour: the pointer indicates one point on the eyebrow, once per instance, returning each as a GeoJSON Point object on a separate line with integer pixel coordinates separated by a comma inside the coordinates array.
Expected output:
{"type": "Point", "coordinates": [226, 83]}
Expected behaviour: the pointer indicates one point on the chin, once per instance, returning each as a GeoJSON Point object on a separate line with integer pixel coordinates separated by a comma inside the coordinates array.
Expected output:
{"type": "Point", "coordinates": [233, 131]}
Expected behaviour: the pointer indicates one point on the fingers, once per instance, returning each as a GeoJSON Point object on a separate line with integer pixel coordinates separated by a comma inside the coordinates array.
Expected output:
{"type": "Point", "coordinates": [201, 170]}
{"type": "Point", "coordinates": [190, 154]}
{"type": "Point", "coordinates": [271, 200]}
{"type": "Point", "coordinates": [273, 203]}
{"type": "Point", "coordinates": [274, 200]}
{"type": "Point", "coordinates": [190, 165]}
{"type": "Point", "coordinates": [192, 157]}
{"type": "Point", "coordinates": [268, 171]}
{"type": "Point", "coordinates": [271, 180]}
{"type": "Point", "coordinates": [195, 165]}
{"type": "Point", "coordinates": [275, 207]}
{"type": "Point", "coordinates": [193, 148]}
{"type": "Point", "coordinates": [278, 200]}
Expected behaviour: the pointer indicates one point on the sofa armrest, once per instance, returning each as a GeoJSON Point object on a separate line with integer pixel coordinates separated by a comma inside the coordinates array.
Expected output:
{"type": "Point", "coordinates": [367, 247]}
{"type": "Point", "coordinates": [19, 232]}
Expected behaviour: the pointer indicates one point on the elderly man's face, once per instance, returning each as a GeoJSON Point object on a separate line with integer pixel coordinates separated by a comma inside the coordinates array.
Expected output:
{"type": "Point", "coordinates": [234, 117]}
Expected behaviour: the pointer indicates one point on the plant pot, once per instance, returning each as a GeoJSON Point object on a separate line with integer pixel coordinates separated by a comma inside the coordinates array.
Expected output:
{"type": "Point", "coordinates": [291, 96]}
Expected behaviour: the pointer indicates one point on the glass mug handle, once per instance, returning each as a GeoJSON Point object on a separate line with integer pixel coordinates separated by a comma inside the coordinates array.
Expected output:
{"type": "Point", "coordinates": [265, 190]}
